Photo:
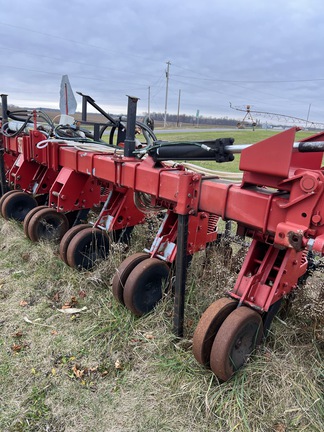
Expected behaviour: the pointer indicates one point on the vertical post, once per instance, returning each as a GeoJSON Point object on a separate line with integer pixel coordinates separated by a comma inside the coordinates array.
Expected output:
{"type": "Point", "coordinates": [4, 103]}
{"type": "Point", "coordinates": [149, 102]}
{"type": "Point", "coordinates": [181, 274]}
{"type": "Point", "coordinates": [84, 108]}
{"type": "Point", "coordinates": [96, 132]}
{"type": "Point", "coordinates": [166, 92]}
{"type": "Point", "coordinates": [228, 228]}
{"type": "Point", "coordinates": [130, 128]}
{"type": "Point", "coordinates": [178, 108]}
{"type": "Point", "coordinates": [3, 182]}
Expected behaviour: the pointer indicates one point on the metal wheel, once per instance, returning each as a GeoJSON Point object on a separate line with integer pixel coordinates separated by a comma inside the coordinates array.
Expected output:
{"type": "Point", "coordinates": [47, 224]}
{"type": "Point", "coordinates": [236, 339]}
{"type": "Point", "coordinates": [29, 215]}
{"type": "Point", "coordinates": [208, 326]}
{"type": "Point", "coordinates": [145, 285]}
{"type": "Point", "coordinates": [123, 272]}
{"type": "Point", "coordinates": [5, 195]}
{"type": "Point", "coordinates": [66, 239]}
{"type": "Point", "coordinates": [17, 205]}
{"type": "Point", "coordinates": [87, 247]}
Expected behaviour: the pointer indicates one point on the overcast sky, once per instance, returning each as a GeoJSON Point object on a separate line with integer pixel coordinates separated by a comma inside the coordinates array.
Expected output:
{"type": "Point", "coordinates": [266, 53]}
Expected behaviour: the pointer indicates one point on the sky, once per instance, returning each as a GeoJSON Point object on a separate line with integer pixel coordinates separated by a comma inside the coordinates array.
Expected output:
{"type": "Point", "coordinates": [262, 53]}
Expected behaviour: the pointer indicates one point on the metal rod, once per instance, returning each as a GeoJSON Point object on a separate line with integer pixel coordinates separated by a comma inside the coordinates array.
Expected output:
{"type": "Point", "coordinates": [305, 147]}
{"type": "Point", "coordinates": [129, 148]}
{"type": "Point", "coordinates": [228, 228]}
{"type": "Point", "coordinates": [181, 274]}
{"type": "Point", "coordinates": [87, 99]}
{"type": "Point", "coordinates": [4, 103]}
{"type": "Point", "coordinates": [84, 108]}
{"type": "Point", "coordinates": [3, 183]}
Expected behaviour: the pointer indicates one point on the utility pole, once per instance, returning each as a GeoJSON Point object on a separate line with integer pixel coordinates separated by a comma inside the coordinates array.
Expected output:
{"type": "Point", "coordinates": [308, 115]}
{"type": "Point", "coordinates": [166, 91]}
{"type": "Point", "coordinates": [178, 108]}
{"type": "Point", "coordinates": [149, 101]}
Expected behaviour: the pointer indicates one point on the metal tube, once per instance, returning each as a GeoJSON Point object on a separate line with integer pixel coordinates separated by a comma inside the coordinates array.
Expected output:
{"type": "Point", "coordinates": [3, 183]}
{"type": "Point", "coordinates": [87, 99]}
{"type": "Point", "coordinates": [307, 146]}
{"type": "Point", "coordinates": [181, 274]}
{"type": "Point", "coordinates": [129, 148]}
{"type": "Point", "coordinates": [4, 103]}
{"type": "Point", "coordinates": [84, 108]}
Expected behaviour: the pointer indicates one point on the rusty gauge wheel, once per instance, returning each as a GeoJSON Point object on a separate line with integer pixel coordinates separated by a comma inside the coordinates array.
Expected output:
{"type": "Point", "coordinates": [236, 339]}
{"type": "Point", "coordinates": [123, 272]}
{"type": "Point", "coordinates": [17, 205]}
{"type": "Point", "coordinates": [87, 247]}
{"type": "Point", "coordinates": [5, 195]}
{"type": "Point", "coordinates": [145, 285]}
{"type": "Point", "coordinates": [29, 215]}
{"type": "Point", "coordinates": [68, 236]}
{"type": "Point", "coordinates": [47, 224]}
{"type": "Point", "coordinates": [208, 326]}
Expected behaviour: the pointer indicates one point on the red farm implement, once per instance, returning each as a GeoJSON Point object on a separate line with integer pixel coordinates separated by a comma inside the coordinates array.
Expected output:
{"type": "Point", "coordinates": [279, 205]}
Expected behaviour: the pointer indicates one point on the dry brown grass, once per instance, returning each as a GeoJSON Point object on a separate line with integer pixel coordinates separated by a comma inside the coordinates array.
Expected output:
{"type": "Point", "coordinates": [105, 370]}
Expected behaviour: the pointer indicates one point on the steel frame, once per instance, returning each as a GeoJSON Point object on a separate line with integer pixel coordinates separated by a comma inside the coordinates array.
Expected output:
{"type": "Point", "coordinates": [279, 204]}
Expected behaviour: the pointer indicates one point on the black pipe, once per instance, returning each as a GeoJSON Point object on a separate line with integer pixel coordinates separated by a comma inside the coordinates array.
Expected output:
{"type": "Point", "coordinates": [4, 103]}
{"type": "Point", "coordinates": [181, 275]}
{"type": "Point", "coordinates": [311, 147]}
{"type": "Point", "coordinates": [3, 183]}
{"type": "Point", "coordinates": [129, 148]}
{"type": "Point", "coordinates": [88, 99]}
{"type": "Point", "coordinates": [84, 108]}
{"type": "Point", "coordinates": [217, 150]}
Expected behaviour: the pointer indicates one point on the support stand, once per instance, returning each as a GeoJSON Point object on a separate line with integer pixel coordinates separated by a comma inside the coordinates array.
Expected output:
{"type": "Point", "coordinates": [181, 274]}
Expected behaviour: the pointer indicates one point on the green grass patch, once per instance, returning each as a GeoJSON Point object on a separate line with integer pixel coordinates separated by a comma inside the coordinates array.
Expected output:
{"type": "Point", "coordinates": [106, 370]}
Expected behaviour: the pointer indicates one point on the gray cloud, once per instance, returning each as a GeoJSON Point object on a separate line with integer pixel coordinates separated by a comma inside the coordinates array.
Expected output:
{"type": "Point", "coordinates": [266, 54]}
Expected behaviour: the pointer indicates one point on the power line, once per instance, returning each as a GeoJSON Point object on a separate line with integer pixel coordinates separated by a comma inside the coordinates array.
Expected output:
{"type": "Point", "coordinates": [82, 43]}
{"type": "Point", "coordinates": [206, 78]}
{"type": "Point", "coordinates": [74, 75]}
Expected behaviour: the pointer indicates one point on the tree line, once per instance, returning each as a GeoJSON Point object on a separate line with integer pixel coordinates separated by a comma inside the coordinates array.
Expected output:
{"type": "Point", "coordinates": [191, 119]}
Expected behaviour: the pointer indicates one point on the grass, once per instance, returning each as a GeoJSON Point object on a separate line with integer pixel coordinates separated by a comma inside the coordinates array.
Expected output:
{"type": "Point", "coordinates": [105, 370]}
{"type": "Point", "coordinates": [64, 373]}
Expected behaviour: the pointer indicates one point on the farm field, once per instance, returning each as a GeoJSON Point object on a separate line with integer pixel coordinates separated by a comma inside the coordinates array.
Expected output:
{"type": "Point", "coordinates": [102, 369]}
